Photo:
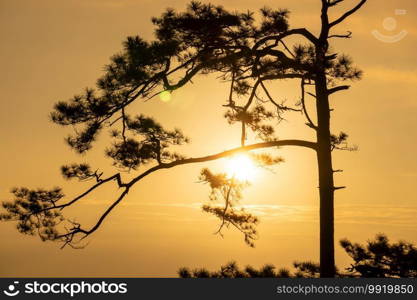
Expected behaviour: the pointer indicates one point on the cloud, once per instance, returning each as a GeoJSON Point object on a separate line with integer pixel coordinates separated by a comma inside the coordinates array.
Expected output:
{"type": "Point", "coordinates": [391, 75]}
{"type": "Point", "coordinates": [377, 214]}
{"type": "Point", "coordinates": [344, 214]}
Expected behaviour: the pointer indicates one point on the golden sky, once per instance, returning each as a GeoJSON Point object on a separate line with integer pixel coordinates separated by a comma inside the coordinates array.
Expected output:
{"type": "Point", "coordinates": [51, 50]}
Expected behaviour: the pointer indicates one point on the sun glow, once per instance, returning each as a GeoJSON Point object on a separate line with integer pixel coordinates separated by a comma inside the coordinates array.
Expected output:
{"type": "Point", "coordinates": [241, 167]}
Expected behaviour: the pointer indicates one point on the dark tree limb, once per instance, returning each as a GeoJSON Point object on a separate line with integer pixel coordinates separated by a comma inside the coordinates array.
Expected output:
{"type": "Point", "coordinates": [280, 143]}
{"type": "Point", "coordinates": [334, 2]}
{"type": "Point", "coordinates": [348, 35]}
{"type": "Point", "coordinates": [299, 31]}
{"type": "Point", "coordinates": [277, 105]}
{"type": "Point", "coordinates": [337, 88]}
{"type": "Point", "coordinates": [347, 14]}
{"type": "Point", "coordinates": [226, 207]}
{"type": "Point", "coordinates": [303, 104]}
{"type": "Point", "coordinates": [252, 95]}
{"type": "Point", "coordinates": [68, 238]}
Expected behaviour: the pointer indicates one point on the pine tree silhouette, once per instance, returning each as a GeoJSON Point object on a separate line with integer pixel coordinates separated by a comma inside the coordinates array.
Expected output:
{"type": "Point", "coordinates": [248, 52]}
{"type": "Point", "coordinates": [378, 258]}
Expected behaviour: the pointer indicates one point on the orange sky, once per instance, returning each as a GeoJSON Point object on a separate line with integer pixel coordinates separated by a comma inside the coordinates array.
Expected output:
{"type": "Point", "coordinates": [51, 50]}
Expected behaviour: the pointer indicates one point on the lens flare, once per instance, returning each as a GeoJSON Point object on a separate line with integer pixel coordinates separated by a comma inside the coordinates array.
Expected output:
{"type": "Point", "coordinates": [165, 96]}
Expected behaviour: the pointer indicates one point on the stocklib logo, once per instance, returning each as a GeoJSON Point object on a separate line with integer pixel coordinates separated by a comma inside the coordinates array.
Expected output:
{"type": "Point", "coordinates": [12, 290]}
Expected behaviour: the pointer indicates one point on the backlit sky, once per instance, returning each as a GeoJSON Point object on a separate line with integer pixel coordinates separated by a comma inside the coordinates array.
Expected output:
{"type": "Point", "coordinates": [51, 50]}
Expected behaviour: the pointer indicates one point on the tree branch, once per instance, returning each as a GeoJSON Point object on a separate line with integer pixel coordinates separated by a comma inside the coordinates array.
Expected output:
{"type": "Point", "coordinates": [300, 31]}
{"type": "Point", "coordinates": [303, 104]}
{"type": "Point", "coordinates": [77, 229]}
{"type": "Point", "coordinates": [335, 2]}
{"type": "Point", "coordinates": [92, 188]}
{"type": "Point", "coordinates": [299, 143]}
{"type": "Point", "coordinates": [348, 35]}
{"type": "Point", "coordinates": [347, 14]}
{"type": "Point", "coordinates": [252, 95]}
{"type": "Point", "coordinates": [337, 88]}
{"type": "Point", "coordinates": [277, 105]}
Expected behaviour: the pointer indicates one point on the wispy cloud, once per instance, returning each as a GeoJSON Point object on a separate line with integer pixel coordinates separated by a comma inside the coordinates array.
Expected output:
{"type": "Point", "coordinates": [377, 214]}
{"type": "Point", "coordinates": [391, 75]}
{"type": "Point", "coordinates": [344, 214]}
{"type": "Point", "coordinates": [347, 214]}
{"type": "Point", "coordinates": [110, 3]}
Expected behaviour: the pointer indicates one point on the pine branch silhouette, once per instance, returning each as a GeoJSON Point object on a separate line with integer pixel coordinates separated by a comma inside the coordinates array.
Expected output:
{"type": "Point", "coordinates": [245, 50]}
{"type": "Point", "coordinates": [378, 259]}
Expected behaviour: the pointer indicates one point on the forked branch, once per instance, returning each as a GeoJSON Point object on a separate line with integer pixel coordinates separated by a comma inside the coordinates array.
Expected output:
{"type": "Point", "coordinates": [347, 14]}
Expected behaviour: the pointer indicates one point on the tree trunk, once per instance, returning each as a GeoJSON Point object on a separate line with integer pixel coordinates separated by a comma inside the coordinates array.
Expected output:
{"type": "Point", "coordinates": [326, 185]}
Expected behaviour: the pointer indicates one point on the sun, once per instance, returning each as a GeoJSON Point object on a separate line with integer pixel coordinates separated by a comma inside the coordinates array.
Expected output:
{"type": "Point", "coordinates": [241, 167]}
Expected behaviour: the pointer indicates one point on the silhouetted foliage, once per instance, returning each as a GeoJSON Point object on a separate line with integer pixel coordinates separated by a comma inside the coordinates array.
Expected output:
{"type": "Point", "coordinates": [131, 153]}
{"type": "Point", "coordinates": [229, 190]}
{"type": "Point", "coordinates": [378, 258]}
{"type": "Point", "coordinates": [244, 49]}
{"type": "Point", "coordinates": [33, 211]}
{"type": "Point", "coordinates": [232, 270]}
